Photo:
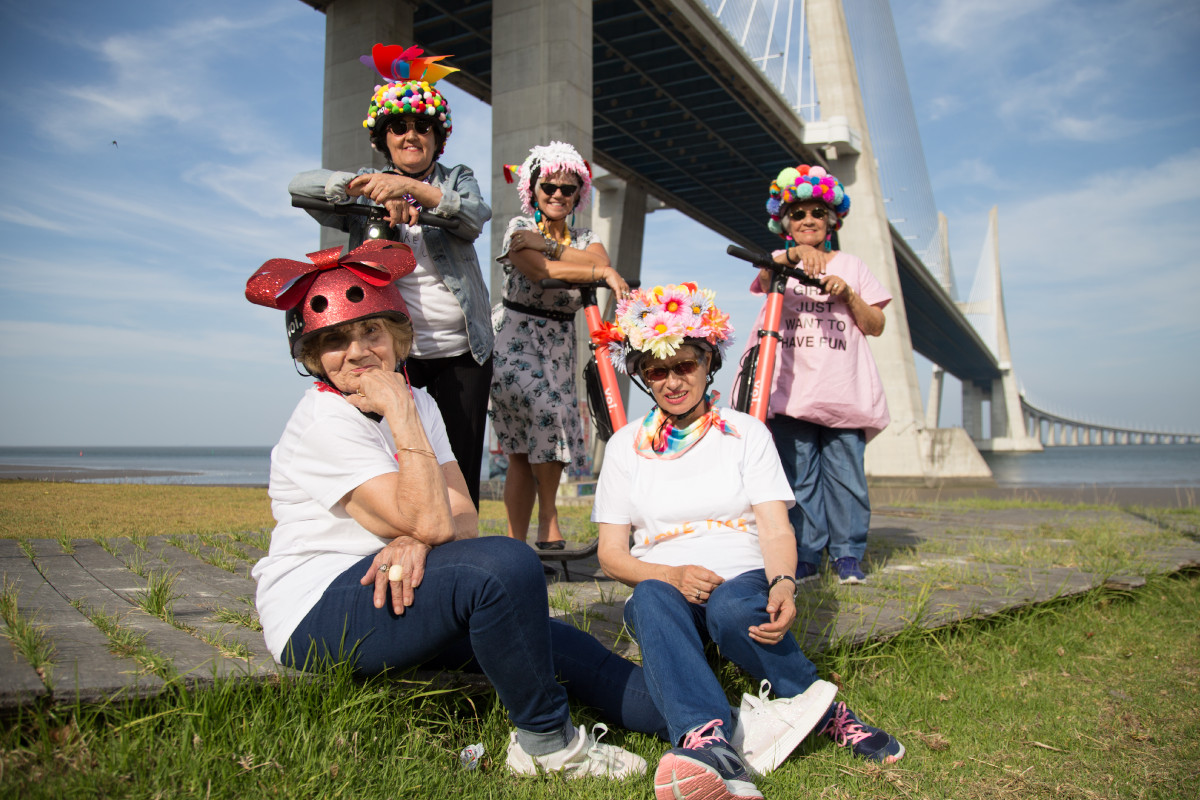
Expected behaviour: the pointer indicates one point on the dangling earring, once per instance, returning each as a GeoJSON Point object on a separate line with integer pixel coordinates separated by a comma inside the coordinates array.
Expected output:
{"type": "Point", "coordinates": [828, 243]}
{"type": "Point", "coordinates": [537, 215]}
{"type": "Point", "coordinates": [572, 219]}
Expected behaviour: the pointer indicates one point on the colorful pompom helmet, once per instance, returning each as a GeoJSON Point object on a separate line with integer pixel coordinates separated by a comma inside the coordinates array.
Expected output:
{"type": "Point", "coordinates": [547, 160]}
{"type": "Point", "coordinates": [409, 90]}
{"type": "Point", "coordinates": [656, 322]}
{"type": "Point", "coordinates": [805, 182]}
{"type": "Point", "coordinates": [332, 290]}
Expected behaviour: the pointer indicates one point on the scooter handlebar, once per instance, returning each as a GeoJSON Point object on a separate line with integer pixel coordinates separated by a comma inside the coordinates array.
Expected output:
{"type": "Point", "coordinates": [765, 261]}
{"type": "Point", "coordinates": [360, 210]}
{"type": "Point", "coordinates": [555, 283]}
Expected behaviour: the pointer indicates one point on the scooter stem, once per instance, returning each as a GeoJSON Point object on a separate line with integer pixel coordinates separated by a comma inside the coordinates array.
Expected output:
{"type": "Point", "coordinates": [768, 344]}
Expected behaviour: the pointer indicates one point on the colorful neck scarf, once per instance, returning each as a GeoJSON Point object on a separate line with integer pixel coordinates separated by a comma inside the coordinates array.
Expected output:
{"type": "Point", "coordinates": [659, 438]}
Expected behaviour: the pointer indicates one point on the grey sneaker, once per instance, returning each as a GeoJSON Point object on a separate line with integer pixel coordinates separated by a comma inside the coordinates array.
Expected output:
{"type": "Point", "coordinates": [767, 731]}
{"type": "Point", "coordinates": [583, 756]}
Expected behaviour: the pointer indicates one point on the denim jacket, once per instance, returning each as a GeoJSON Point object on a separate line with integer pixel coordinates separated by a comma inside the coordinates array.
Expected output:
{"type": "Point", "coordinates": [453, 252]}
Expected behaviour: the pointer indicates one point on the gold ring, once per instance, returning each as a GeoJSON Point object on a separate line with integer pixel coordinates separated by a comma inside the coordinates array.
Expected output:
{"type": "Point", "coordinates": [396, 573]}
{"type": "Point", "coordinates": [383, 567]}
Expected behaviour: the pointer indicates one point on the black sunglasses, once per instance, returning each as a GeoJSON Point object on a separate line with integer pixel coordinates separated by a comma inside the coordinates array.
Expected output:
{"type": "Point", "coordinates": [683, 368]}
{"type": "Point", "coordinates": [402, 125]}
{"type": "Point", "coordinates": [798, 214]}
{"type": "Point", "coordinates": [548, 189]}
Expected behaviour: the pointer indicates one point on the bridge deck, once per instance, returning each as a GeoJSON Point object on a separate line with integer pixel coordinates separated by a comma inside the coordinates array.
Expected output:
{"type": "Point", "coordinates": [923, 569]}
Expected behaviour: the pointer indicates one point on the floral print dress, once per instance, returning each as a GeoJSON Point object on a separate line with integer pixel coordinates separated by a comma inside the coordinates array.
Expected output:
{"type": "Point", "coordinates": [534, 408]}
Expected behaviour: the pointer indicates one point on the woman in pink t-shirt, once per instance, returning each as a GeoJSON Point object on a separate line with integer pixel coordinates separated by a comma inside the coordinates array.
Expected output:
{"type": "Point", "coordinates": [826, 396]}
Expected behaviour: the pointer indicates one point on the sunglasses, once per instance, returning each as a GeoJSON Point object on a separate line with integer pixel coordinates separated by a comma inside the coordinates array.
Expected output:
{"type": "Point", "coordinates": [548, 189]}
{"type": "Point", "coordinates": [682, 369]}
{"type": "Point", "coordinates": [401, 126]}
{"type": "Point", "coordinates": [798, 214]}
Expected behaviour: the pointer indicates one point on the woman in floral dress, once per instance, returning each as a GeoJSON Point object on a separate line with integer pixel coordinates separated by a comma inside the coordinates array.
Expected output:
{"type": "Point", "coordinates": [533, 398]}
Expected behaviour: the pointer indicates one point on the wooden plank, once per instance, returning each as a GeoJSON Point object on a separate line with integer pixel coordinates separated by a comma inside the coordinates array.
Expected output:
{"type": "Point", "coordinates": [198, 605]}
{"type": "Point", "coordinates": [82, 667]}
{"type": "Point", "coordinates": [189, 656]}
{"type": "Point", "coordinates": [11, 548]}
{"type": "Point", "coordinates": [20, 685]}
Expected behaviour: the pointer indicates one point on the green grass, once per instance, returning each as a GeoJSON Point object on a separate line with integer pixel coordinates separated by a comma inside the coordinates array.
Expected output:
{"type": "Point", "coordinates": [1093, 697]}
{"type": "Point", "coordinates": [159, 595]}
{"type": "Point", "coordinates": [36, 509]}
{"type": "Point", "coordinates": [24, 631]}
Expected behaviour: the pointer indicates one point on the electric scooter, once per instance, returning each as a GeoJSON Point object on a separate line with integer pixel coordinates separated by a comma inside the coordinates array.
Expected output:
{"type": "Point", "coordinates": [599, 376]}
{"type": "Point", "coordinates": [752, 390]}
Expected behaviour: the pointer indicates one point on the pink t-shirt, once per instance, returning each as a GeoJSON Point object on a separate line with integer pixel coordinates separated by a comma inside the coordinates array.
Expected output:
{"type": "Point", "coordinates": [825, 372]}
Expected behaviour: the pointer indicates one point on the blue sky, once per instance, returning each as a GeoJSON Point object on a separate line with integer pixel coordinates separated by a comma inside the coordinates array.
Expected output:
{"type": "Point", "coordinates": [123, 266]}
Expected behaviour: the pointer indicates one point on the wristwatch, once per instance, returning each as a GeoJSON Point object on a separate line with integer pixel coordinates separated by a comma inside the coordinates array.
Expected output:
{"type": "Point", "coordinates": [778, 578]}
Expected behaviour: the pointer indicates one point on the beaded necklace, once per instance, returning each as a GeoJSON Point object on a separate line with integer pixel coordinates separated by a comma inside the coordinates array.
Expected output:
{"type": "Point", "coordinates": [565, 241]}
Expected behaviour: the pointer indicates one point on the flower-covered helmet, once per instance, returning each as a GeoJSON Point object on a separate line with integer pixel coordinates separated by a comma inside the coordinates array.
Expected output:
{"type": "Point", "coordinates": [332, 291]}
{"type": "Point", "coordinates": [804, 182]}
{"type": "Point", "coordinates": [547, 160]}
{"type": "Point", "coordinates": [656, 322]}
{"type": "Point", "coordinates": [409, 90]}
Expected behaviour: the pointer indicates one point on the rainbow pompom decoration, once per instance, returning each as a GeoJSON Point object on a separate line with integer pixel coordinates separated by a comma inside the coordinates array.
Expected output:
{"type": "Point", "coordinates": [805, 182]}
{"type": "Point", "coordinates": [411, 76]}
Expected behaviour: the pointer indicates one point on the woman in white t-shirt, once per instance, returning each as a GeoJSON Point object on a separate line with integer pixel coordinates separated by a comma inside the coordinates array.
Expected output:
{"type": "Point", "coordinates": [692, 509]}
{"type": "Point", "coordinates": [374, 557]}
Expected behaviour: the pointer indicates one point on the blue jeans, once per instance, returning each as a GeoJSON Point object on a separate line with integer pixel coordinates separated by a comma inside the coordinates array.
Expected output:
{"type": "Point", "coordinates": [673, 632]}
{"type": "Point", "coordinates": [825, 468]}
{"type": "Point", "coordinates": [481, 607]}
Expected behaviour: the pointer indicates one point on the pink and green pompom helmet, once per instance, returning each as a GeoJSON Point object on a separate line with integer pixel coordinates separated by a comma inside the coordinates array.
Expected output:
{"type": "Point", "coordinates": [796, 184]}
{"type": "Point", "coordinates": [410, 77]}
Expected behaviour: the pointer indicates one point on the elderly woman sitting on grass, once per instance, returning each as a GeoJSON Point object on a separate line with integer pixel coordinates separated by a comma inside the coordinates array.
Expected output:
{"type": "Point", "coordinates": [374, 558]}
{"type": "Point", "coordinates": [692, 507]}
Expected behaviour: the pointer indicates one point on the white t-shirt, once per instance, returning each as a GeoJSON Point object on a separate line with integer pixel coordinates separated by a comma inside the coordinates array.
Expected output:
{"type": "Point", "coordinates": [695, 509]}
{"type": "Point", "coordinates": [439, 324]}
{"type": "Point", "coordinates": [328, 448]}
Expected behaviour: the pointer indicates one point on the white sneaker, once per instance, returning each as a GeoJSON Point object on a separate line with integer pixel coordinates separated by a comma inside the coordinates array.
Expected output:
{"type": "Point", "coordinates": [583, 756]}
{"type": "Point", "coordinates": [767, 731]}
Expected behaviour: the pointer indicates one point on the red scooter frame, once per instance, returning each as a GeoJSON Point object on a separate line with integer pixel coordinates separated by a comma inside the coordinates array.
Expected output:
{"type": "Point", "coordinates": [752, 390]}
{"type": "Point", "coordinates": [599, 376]}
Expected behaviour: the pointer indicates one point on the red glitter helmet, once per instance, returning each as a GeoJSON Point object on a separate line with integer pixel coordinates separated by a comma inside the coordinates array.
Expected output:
{"type": "Point", "coordinates": [333, 291]}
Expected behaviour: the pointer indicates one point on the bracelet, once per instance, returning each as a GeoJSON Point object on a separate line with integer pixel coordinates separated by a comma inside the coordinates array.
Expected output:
{"type": "Point", "coordinates": [593, 278]}
{"type": "Point", "coordinates": [416, 450]}
{"type": "Point", "coordinates": [778, 578]}
{"type": "Point", "coordinates": [788, 256]}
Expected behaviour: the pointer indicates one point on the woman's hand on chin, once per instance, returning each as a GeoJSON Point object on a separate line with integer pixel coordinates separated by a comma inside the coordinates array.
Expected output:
{"type": "Point", "coordinates": [399, 567]}
{"type": "Point", "coordinates": [385, 393]}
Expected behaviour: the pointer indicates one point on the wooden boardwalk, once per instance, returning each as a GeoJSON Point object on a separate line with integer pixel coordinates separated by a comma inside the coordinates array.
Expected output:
{"type": "Point", "coordinates": [91, 602]}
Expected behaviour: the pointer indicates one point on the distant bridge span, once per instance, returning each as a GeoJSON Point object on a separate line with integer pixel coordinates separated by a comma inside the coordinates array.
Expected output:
{"type": "Point", "coordinates": [1053, 430]}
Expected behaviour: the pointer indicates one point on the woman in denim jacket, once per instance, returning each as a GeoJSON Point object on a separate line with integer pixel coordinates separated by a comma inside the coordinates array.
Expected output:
{"type": "Point", "coordinates": [409, 121]}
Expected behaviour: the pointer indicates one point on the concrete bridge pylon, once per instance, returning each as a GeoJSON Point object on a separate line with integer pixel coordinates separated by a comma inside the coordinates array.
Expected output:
{"type": "Point", "coordinates": [907, 450]}
{"type": "Point", "coordinates": [1007, 431]}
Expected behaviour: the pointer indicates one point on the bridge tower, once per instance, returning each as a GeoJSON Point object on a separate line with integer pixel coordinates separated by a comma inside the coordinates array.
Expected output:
{"type": "Point", "coordinates": [907, 450]}
{"type": "Point", "coordinates": [985, 308]}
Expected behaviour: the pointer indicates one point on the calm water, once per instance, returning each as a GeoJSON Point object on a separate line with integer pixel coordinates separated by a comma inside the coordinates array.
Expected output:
{"type": "Point", "coordinates": [1161, 465]}
{"type": "Point", "coordinates": [204, 465]}
{"type": "Point", "coordinates": [1134, 465]}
